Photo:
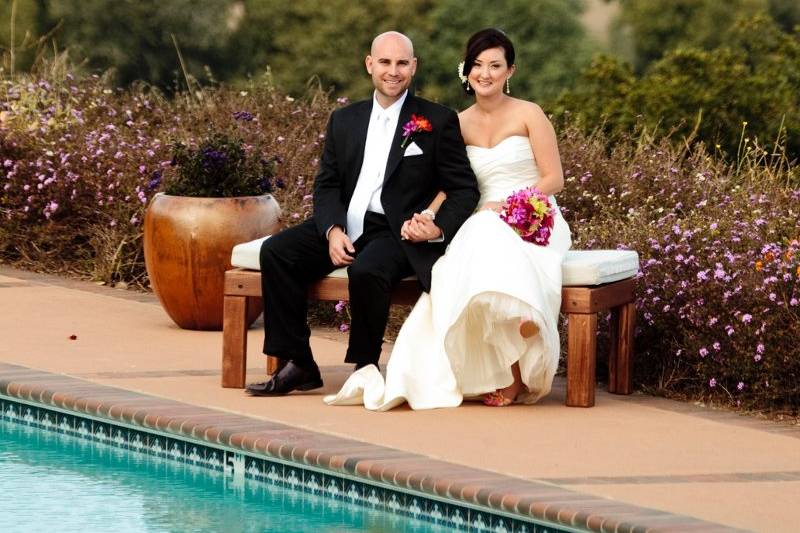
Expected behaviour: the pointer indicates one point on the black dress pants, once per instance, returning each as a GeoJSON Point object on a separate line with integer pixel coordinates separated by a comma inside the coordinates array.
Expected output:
{"type": "Point", "coordinates": [296, 257]}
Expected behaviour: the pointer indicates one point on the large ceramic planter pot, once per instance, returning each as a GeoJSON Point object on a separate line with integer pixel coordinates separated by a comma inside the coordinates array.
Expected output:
{"type": "Point", "coordinates": [187, 249]}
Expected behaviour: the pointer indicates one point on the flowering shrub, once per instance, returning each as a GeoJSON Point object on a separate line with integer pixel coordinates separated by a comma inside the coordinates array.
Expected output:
{"type": "Point", "coordinates": [79, 163]}
{"type": "Point", "coordinates": [76, 159]}
{"type": "Point", "coordinates": [718, 296]}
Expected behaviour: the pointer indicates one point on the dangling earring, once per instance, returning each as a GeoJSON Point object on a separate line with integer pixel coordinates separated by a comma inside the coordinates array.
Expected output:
{"type": "Point", "coordinates": [508, 85]}
{"type": "Point", "coordinates": [468, 87]}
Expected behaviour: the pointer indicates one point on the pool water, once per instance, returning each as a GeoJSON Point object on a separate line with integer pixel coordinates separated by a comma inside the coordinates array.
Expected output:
{"type": "Point", "coordinates": [58, 483]}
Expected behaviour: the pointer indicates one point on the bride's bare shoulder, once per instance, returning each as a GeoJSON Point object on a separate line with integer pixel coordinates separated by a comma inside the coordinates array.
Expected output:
{"type": "Point", "coordinates": [467, 114]}
{"type": "Point", "coordinates": [528, 108]}
{"type": "Point", "coordinates": [466, 119]}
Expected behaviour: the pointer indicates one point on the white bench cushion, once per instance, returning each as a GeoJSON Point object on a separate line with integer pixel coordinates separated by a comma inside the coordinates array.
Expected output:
{"type": "Point", "coordinates": [247, 254]}
{"type": "Point", "coordinates": [595, 267]}
{"type": "Point", "coordinates": [580, 267]}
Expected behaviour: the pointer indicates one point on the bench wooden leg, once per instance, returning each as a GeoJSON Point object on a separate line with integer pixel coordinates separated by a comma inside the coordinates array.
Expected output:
{"type": "Point", "coordinates": [620, 356]}
{"type": "Point", "coordinates": [581, 353]}
{"type": "Point", "coordinates": [234, 341]}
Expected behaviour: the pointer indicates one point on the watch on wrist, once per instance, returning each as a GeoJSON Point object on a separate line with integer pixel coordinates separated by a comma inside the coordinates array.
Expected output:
{"type": "Point", "coordinates": [429, 212]}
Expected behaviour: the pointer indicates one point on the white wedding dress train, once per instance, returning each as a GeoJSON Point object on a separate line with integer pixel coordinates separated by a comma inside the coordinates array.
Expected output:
{"type": "Point", "coordinates": [461, 339]}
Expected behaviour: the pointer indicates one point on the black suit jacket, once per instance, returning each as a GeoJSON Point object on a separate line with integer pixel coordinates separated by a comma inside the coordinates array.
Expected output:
{"type": "Point", "coordinates": [410, 182]}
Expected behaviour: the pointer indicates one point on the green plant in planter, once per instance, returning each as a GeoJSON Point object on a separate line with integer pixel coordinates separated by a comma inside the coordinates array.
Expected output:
{"type": "Point", "coordinates": [220, 167]}
{"type": "Point", "coordinates": [215, 198]}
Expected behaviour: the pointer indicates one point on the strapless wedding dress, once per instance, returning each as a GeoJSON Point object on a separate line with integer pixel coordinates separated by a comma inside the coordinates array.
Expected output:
{"type": "Point", "coordinates": [461, 339]}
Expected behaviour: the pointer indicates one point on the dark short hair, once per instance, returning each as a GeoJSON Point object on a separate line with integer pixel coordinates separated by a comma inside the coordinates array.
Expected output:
{"type": "Point", "coordinates": [484, 40]}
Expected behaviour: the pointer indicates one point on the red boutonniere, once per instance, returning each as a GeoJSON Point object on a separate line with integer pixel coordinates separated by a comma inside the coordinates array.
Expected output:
{"type": "Point", "coordinates": [417, 123]}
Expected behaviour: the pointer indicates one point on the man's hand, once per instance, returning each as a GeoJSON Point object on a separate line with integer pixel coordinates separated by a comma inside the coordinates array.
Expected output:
{"type": "Point", "coordinates": [420, 228]}
{"type": "Point", "coordinates": [340, 249]}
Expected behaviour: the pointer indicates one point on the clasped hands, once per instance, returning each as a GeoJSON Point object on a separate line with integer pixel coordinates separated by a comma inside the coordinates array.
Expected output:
{"type": "Point", "coordinates": [419, 228]}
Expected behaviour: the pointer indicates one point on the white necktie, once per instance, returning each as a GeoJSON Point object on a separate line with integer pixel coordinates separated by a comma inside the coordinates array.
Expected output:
{"type": "Point", "coordinates": [368, 184]}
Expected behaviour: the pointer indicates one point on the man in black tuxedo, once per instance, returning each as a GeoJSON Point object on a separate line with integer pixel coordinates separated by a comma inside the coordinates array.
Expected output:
{"type": "Point", "coordinates": [374, 176]}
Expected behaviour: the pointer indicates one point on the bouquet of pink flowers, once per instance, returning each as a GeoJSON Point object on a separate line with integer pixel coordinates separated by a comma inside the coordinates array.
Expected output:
{"type": "Point", "coordinates": [530, 214]}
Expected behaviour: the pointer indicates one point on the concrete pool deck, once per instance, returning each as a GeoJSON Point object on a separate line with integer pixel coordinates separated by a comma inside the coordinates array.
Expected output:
{"type": "Point", "coordinates": [650, 452]}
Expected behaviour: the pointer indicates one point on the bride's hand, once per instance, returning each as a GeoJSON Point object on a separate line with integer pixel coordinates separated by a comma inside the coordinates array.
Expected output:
{"type": "Point", "coordinates": [492, 206]}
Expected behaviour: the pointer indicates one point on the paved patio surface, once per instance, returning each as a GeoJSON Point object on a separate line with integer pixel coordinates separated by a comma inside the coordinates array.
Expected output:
{"type": "Point", "coordinates": [656, 453]}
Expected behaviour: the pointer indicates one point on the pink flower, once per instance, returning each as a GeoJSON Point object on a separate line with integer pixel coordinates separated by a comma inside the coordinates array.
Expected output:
{"type": "Point", "coordinates": [530, 215]}
{"type": "Point", "coordinates": [712, 382]}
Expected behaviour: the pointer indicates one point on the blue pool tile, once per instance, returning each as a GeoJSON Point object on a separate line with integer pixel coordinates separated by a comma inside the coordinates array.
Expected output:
{"type": "Point", "coordinates": [353, 491]}
{"type": "Point", "coordinates": [253, 468]}
{"type": "Point", "coordinates": [137, 441]}
{"type": "Point", "coordinates": [214, 459]}
{"type": "Point", "coordinates": [274, 474]}
{"type": "Point", "coordinates": [501, 524]}
{"type": "Point", "coordinates": [28, 416]}
{"type": "Point", "coordinates": [175, 450]}
{"type": "Point", "coordinates": [47, 420]}
{"type": "Point", "coordinates": [522, 527]}
{"type": "Point", "coordinates": [65, 424]}
{"type": "Point", "coordinates": [293, 477]}
{"type": "Point", "coordinates": [373, 497]}
{"type": "Point", "coordinates": [313, 483]}
{"type": "Point", "coordinates": [333, 486]}
{"type": "Point", "coordinates": [101, 432]}
{"type": "Point", "coordinates": [195, 454]}
{"type": "Point", "coordinates": [479, 522]}
{"type": "Point", "coordinates": [416, 507]}
{"type": "Point", "coordinates": [459, 517]}
{"type": "Point", "coordinates": [395, 502]}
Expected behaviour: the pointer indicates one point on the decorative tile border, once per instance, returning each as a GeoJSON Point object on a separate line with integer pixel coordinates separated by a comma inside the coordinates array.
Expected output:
{"type": "Point", "coordinates": [355, 472]}
{"type": "Point", "coordinates": [245, 466]}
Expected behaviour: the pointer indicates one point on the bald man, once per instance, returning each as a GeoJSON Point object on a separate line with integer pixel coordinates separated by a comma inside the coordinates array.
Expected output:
{"type": "Point", "coordinates": [374, 175]}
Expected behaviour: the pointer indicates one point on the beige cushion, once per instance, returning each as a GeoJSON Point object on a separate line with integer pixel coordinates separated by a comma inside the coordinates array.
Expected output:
{"type": "Point", "coordinates": [595, 267]}
{"type": "Point", "coordinates": [580, 267]}
{"type": "Point", "coordinates": [247, 255]}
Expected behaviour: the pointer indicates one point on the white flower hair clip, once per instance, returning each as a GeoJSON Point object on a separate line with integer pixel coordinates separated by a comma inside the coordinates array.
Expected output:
{"type": "Point", "coordinates": [461, 73]}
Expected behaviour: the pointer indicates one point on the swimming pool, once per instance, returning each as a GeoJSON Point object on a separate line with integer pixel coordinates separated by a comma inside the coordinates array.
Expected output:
{"type": "Point", "coordinates": [247, 456]}
{"type": "Point", "coordinates": [52, 481]}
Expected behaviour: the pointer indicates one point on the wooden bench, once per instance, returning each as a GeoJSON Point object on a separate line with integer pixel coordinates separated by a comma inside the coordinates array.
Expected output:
{"type": "Point", "coordinates": [579, 304]}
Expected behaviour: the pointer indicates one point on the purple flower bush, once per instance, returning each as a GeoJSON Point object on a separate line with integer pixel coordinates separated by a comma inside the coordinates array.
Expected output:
{"type": "Point", "coordinates": [79, 163]}
{"type": "Point", "coordinates": [717, 299]}
{"type": "Point", "coordinates": [221, 167]}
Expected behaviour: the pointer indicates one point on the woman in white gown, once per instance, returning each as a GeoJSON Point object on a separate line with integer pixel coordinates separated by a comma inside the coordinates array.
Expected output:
{"type": "Point", "coordinates": [489, 326]}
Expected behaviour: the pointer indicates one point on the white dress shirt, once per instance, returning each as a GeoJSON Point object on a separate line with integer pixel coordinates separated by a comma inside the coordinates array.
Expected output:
{"type": "Point", "coordinates": [367, 194]}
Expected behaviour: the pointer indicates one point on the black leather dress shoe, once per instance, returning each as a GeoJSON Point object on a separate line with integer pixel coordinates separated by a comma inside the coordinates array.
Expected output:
{"type": "Point", "coordinates": [289, 378]}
